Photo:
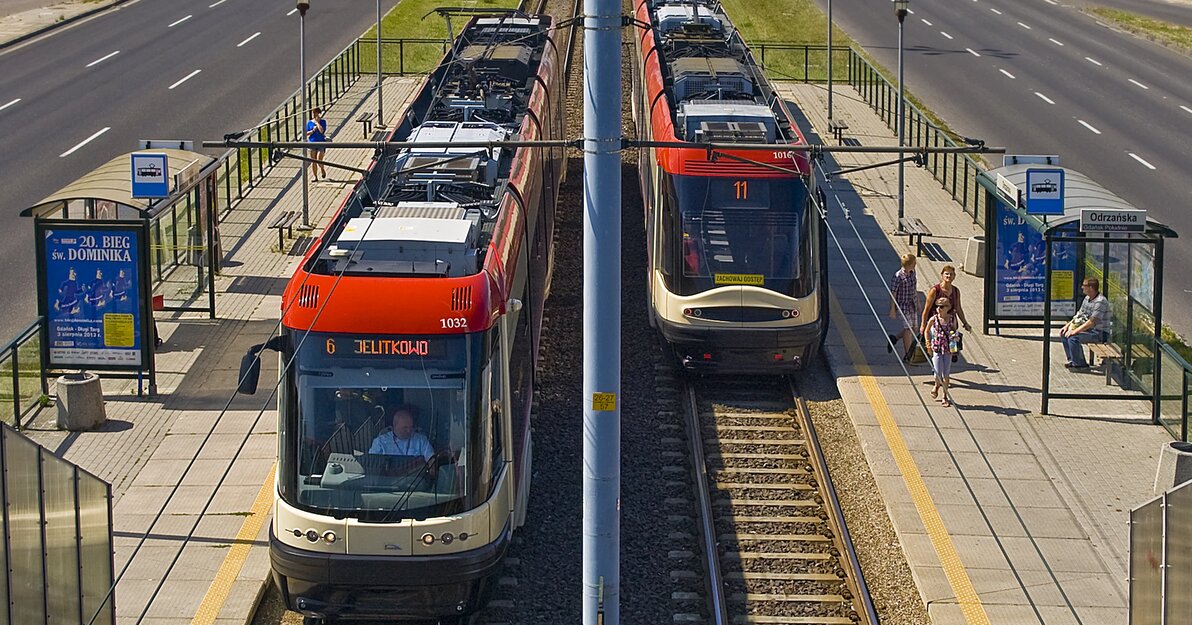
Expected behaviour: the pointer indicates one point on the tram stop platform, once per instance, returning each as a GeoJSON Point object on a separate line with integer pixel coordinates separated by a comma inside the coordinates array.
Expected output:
{"type": "Point", "coordinates": [1006, 516]}
{"type": "Point", "coordinates": [206, 559]}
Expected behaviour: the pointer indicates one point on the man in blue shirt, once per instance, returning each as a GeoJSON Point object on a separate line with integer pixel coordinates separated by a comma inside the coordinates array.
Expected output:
{"type": "Point", "coordinates": [402, 440]}
{"type": "Point", "coordinates": [316, 132]}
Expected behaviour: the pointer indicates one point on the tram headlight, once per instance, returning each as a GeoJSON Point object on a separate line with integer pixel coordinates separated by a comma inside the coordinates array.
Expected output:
{"type": "Point", "coordinates": [447, 538]}
{"type": "Point", "coordinates": [693, 312]}
{"type": "Point", "coordinates": [428, 539]}
{"type": "Point", "coordinates": [786, 314]}
{"type": "Point", "coordinates": [329, 537]}
{"type": "Point", "coordinates": [312, 535]}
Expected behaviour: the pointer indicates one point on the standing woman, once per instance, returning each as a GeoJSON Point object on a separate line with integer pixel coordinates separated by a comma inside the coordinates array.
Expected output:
{"type": "Point", "coordinates": [316, 132]}
{"type": "Point", "coordinates": [945, 288]}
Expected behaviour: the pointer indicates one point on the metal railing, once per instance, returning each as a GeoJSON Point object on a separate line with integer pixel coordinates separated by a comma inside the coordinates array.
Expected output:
{"type": "Point", "coordinates": [56, 520]}
{"type": "Point", "coordinates": [956, 173]}
{"type": "Point", "coordinates": [22, 383]}
{"type": "Point", "coordinates": [1173, 381]}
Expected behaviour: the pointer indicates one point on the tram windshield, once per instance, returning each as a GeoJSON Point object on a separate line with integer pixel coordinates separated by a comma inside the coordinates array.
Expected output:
{"type": "Point", "coordinates": [744, 231]}
{"type": "Point", "coordinates": [382, 428]}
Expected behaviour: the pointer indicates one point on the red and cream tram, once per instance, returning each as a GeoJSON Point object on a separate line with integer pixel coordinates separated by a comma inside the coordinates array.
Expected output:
{"type": "Point", "coordinates": [737, 272]}
{"type": "Point", "coordinates": [409, 340]}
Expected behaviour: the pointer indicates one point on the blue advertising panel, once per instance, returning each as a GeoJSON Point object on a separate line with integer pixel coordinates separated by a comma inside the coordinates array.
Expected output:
{"type": "Point", "coordinates": [150, 175]}
{"type": "Point", "coordinates": [1020, 269]}
{"type": "Point", "coordinates": [1045, 191]}
{"type": "Point", "coordinates": [91, 295]}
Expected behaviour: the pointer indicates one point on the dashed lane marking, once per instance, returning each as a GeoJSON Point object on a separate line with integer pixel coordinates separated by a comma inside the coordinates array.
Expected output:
{"type": "Point", "coordinates": [962, 586]}
{"type": "Point", "coordinates": [1024, 25]}
{"type": "Point", "coordinates": [1011, 76]}
{"type": "Point", "coordinates": [84, 142]}
{"type": "Point", "coordinates": [1056, 41]}
{"type": "Point", "coordinates": [1093, 61]}
{"type": "Point", "coordinates": [926, 22]}
{"type": "Point", "coordinates": [180, 21]}
{"type": "Point", "coordinates": [221, 586]}
{"type": "Point", "coordinates": [18, 100]}
{"type": "Point", "coordinates": [1089, 126]}
{"type": "Point", "coordinates": [1045, 98]}
{"type": "Point", "coordinates": [255, 35]}
{"type": "Point", "coordinates": [945, 34]}
{"type": "Point", "coordinates": [1138, 83]}
{"type": "Point", "coordinates": [995, 11]}
{"type": "Point", "coordinates": [102, 59]}
{"type": "Point", "coordinates": [972, 52]}
{"type": "Point", "coordinates": [216, 4]}
{"type": "Point", "coordinates": [1141, 160]}
{"type": "Point", "coordinates": [186, 78]}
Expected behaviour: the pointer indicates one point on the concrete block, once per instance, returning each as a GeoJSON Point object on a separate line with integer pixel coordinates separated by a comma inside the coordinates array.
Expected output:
{"type": "Point", "coordinates": [1175, 466]}
{"type": "Point", "coordinates": [80, 402]}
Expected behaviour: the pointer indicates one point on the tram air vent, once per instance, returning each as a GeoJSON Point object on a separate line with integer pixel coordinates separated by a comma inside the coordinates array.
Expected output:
{"type": "Point", "coordinates": [308, 296]}
{"type": "Point", "coordinates": [461, 298]}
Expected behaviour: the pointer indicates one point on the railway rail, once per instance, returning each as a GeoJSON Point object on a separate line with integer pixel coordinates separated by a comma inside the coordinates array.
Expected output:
{"type": "Point", "coordinates": [772, 537]}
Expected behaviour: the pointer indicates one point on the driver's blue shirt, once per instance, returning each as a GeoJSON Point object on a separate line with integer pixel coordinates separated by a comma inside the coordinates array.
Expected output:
{"type": "Point", "coordinates": [389, 444]}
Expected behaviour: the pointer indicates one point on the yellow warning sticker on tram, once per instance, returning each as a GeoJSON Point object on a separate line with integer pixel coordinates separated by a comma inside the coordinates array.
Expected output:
{"type": "Point", "coordinates": [754, 279]}
{"type": "Point", "coordinates": [604, 402]}
{"type": "Point", "coordinates": [118, 330]}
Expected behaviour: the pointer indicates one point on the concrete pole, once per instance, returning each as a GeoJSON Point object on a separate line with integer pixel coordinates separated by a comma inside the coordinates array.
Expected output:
{"type": "Point", "coordinates": [829, 59]}
{"type": "Point", "coordinates": [900, 11]}
{"type": "Point", "coordinates": [302, 7]}
{"type": "Point", "coordinates": [602, 313]}
{"type": "Point", "coordinates": [380, 96]}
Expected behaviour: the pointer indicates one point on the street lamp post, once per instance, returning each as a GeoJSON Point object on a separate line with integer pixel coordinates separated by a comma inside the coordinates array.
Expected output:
{"type": "Point", "coordinates": [380, 106]}
{"type": "Point", "coordinates": [900, 10]}
{"type": "Point", "coordinates": [303, 5]}
{"type": "Point", "coordinates": [829, 60]}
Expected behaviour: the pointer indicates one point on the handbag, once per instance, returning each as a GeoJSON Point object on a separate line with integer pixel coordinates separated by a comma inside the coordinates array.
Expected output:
{"type": "Point", "coordinates": [918, 354]}
{"type": "Point", "coordinates": [956, 345]}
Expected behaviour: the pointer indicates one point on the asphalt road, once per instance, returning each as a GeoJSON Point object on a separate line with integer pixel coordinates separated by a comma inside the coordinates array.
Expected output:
{"type": "Point", "coordinates": [73, 100]}
{"type": "Point", "coordinates": [1041, 77]}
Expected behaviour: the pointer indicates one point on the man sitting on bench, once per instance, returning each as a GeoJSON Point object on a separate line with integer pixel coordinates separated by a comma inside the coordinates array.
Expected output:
{"type": "Point", "coordinates": [1090, 325]}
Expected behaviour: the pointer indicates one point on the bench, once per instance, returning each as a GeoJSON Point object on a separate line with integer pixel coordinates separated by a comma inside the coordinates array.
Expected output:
{"type": "Point", "coordinates": [284, 221]}
{"type": "Point", "coordinates": [1107, 352]}
{"type": "Point", "coordinates": [838, 127]}
{"type": "Point", "coordinates": [366, 120]}
{"type": "Point", "coordinates": [914, 227]}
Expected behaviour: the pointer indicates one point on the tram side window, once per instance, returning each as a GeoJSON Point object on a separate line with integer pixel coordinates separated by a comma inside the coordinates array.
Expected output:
{"type": "Point", "coordinates": [496, 413]}
{"type": "Point", "coordinates": [669, 226]}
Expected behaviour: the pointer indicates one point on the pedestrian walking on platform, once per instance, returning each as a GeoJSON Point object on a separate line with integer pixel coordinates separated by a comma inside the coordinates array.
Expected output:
{"type": "Point", "coordinates": [944, 288]}
{"type": "Point", "coordinates": [903, 306]}
{"type": "Point", "coordinates": [942, 343]}
{"type": "Point", "coordinates": [316, 132]}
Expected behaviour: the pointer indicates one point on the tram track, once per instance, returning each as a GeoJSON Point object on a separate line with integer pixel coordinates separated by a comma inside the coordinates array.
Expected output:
{"type": "Point", "coordinates": [768, 531]}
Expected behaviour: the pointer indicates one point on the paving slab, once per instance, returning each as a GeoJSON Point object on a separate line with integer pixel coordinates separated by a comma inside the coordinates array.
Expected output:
{"type": "Point", "coordinates": [1035, 507]}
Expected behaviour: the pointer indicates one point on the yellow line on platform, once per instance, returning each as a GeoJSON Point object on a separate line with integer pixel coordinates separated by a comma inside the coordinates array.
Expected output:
{"type": "Point", "coordinates": [941, 541]}
{"type": "Point", "coordinates": [221, 587]}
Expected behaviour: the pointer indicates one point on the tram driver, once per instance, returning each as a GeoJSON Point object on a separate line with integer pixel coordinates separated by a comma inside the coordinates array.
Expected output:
{"type": "Point", "coordinates": [401, 439]}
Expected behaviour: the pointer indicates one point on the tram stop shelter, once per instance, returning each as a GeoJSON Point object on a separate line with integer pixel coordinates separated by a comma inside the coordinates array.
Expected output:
{"type": "Point", "coordinates": [106, 260]}
{"type": "Point", "coordinates": [1048, 229]}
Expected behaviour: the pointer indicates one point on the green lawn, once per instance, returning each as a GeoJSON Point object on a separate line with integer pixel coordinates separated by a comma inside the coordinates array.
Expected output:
{"type": "Point", "coordinates": [406, 21]}
{"type": "Point", "coordinates": [1166, 33]}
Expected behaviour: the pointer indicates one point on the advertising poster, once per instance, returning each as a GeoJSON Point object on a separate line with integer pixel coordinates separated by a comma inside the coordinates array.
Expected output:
{"type": "Point", "coordinates": [1142, 275]}
{"type": "Point", "coordinates": [1021, 269]}
{"type": "Point", "coordinates": [92, 297]}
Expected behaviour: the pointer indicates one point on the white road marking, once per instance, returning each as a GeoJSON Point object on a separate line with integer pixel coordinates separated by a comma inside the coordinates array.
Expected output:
{"type": "Point", "coordinates": [1045, 98]}
{"type": "Point", "coordinates": [1138, 83]}
{"type": "Point", "coordinates": [292, 11]}
{"type": "Point", "coordinates": [1007, 73]}
{"type": "Point", "coordinates": [258, 34]}
{"type": "Point", "coordinates": [1053, 2]}
{"type": "Point", "coordinates": [1024, 25]}
{"type": "Point", "coordinates": [911, 11]}
{"type": "Point", "coordinates": [84, 142]}
{"type": "Point", "coordinates": [926, 22]}
{"type": "Point", "coordinates": [18, 100]}
{"type": "Point", "coordinates": [1089, 126]}
{"type": "Point", "coordinates": [180, 21]}
{"type": "Point", "coordinates": [102, 59]}
{"type": "Point", "coordinates": [945, 34]}
{"type": "Point", "coordinates": [972, 52]}
{"type": "Point", "coordinates": [217, 4]}
{"type": "Point", "coordinates": [1056, 42]}
{"type": "Point", "coordinates": [996, 11]}
{"type": "Point", "coordinates": [1141, 160]}
{"type": "Point", "coordinates": [1093, 61]}
{"type": "Point", "coordinates": [188, 77]}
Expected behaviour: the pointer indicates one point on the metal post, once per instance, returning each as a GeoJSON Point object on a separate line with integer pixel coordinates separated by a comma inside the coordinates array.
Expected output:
{"type": "Point", "coordinates": [602, 312]}
{"type": "Point", "coordinates": [900, 11]}
{"type": "Point", "coordinates": [303, 5]}
{"type": "Point", "coordinates": [829, 60]}
{"type": "Point", "coordinates": [380, 96]}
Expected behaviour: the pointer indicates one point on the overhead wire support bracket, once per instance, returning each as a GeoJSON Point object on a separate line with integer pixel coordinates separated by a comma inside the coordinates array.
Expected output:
{"type": "Point", "coordinates": [917, 158]}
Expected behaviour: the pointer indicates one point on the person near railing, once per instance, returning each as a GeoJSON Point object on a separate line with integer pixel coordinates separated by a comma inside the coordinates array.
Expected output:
{"type": "Point", "coordinates": [316, 132]}
{"type": "Point", "coordinates": [1089, 325]}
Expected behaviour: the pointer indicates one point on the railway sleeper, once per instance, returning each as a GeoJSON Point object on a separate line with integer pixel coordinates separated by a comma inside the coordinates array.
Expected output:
{"type": "Point", "coordinates": [776, 556]}
{"type": "Point", "coordinates": [784, 429]}
{"type": "Point", "coordinates": [760, 471]}
{"type": "Point", "coordinates": [722, 502]}
{"type": "Point", "coordinates": [756, 619]}
{"type": "Point", "coordinates": [743, 455]}
{"type": "Point", "coordinates": [766, 486]}
{"type": "Point", "coordinates": [736, 576]}
{"type": "Point", "coordinates": [759, 597]}
{"type": "Point", "coordinates": [816, 538]}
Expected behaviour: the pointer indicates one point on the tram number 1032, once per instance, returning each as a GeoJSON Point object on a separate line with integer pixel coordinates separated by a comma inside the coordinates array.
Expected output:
{"type": "Point", "coordinates": [454, 323]}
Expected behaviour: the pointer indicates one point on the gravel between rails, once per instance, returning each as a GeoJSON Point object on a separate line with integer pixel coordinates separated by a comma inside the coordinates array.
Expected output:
{"type": "Point", "coordinates": [886, 572]}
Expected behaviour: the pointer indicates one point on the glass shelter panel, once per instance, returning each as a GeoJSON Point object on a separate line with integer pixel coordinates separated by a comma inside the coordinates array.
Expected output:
{"type": "Point", "coordinates": [1179, 555]}
{"type": "Point", "coordinates": [22, 485]}
{"type": "Point", "coordinates": [62, 552]}
{"type": "Point", "coordinates": [95, 539]}
{"type": "Point", "coordinates": [1146, 560]}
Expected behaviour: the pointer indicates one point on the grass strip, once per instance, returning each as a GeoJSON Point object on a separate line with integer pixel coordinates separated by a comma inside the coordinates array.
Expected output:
{"type": "Point", "coordinates": [405, 21]}
{"type": "Point", "coordinates": [1168, 34]}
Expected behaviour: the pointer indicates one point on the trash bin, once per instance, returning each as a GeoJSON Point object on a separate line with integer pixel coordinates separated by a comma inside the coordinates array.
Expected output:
{"type": "Point", "coordinates": [1175, 466]}
{"type": "Point", "coordinates": [974, 256]}
{"type": "Point", "coordinates": [80, 402]}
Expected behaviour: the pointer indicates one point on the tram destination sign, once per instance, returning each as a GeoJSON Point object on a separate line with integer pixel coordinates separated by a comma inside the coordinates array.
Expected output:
{"type": "Point", "coordinates": [1096, 220]}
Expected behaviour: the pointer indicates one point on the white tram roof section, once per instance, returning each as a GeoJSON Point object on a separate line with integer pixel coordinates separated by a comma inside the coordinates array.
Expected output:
{"type": "Point", "coordinates": [409, 245]}
{"type": "Point", "coordinates": [672, 17]}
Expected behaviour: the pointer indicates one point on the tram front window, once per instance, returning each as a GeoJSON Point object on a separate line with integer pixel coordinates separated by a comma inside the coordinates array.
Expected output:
{"type": "Point", "coordinates": [386, 427]}
{"type": "Point", "coordinates": [741, 231]}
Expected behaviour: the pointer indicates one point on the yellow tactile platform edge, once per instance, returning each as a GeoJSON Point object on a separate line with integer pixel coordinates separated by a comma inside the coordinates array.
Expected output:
{"type": "Point", "coordinates": [941, 541]}
{"type": "Point", "coordinates": [217, 593]}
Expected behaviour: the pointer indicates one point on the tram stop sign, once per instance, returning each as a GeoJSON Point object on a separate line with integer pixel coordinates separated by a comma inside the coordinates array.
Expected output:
{"type": "Point", "coordinates": [1045, 191]}
{"type": "Point", "coordinates": [150, 175]}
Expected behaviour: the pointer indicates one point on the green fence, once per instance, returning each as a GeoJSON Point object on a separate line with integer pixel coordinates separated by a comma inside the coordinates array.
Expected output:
{"type": "Point", "coordinates": [22, 384]}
